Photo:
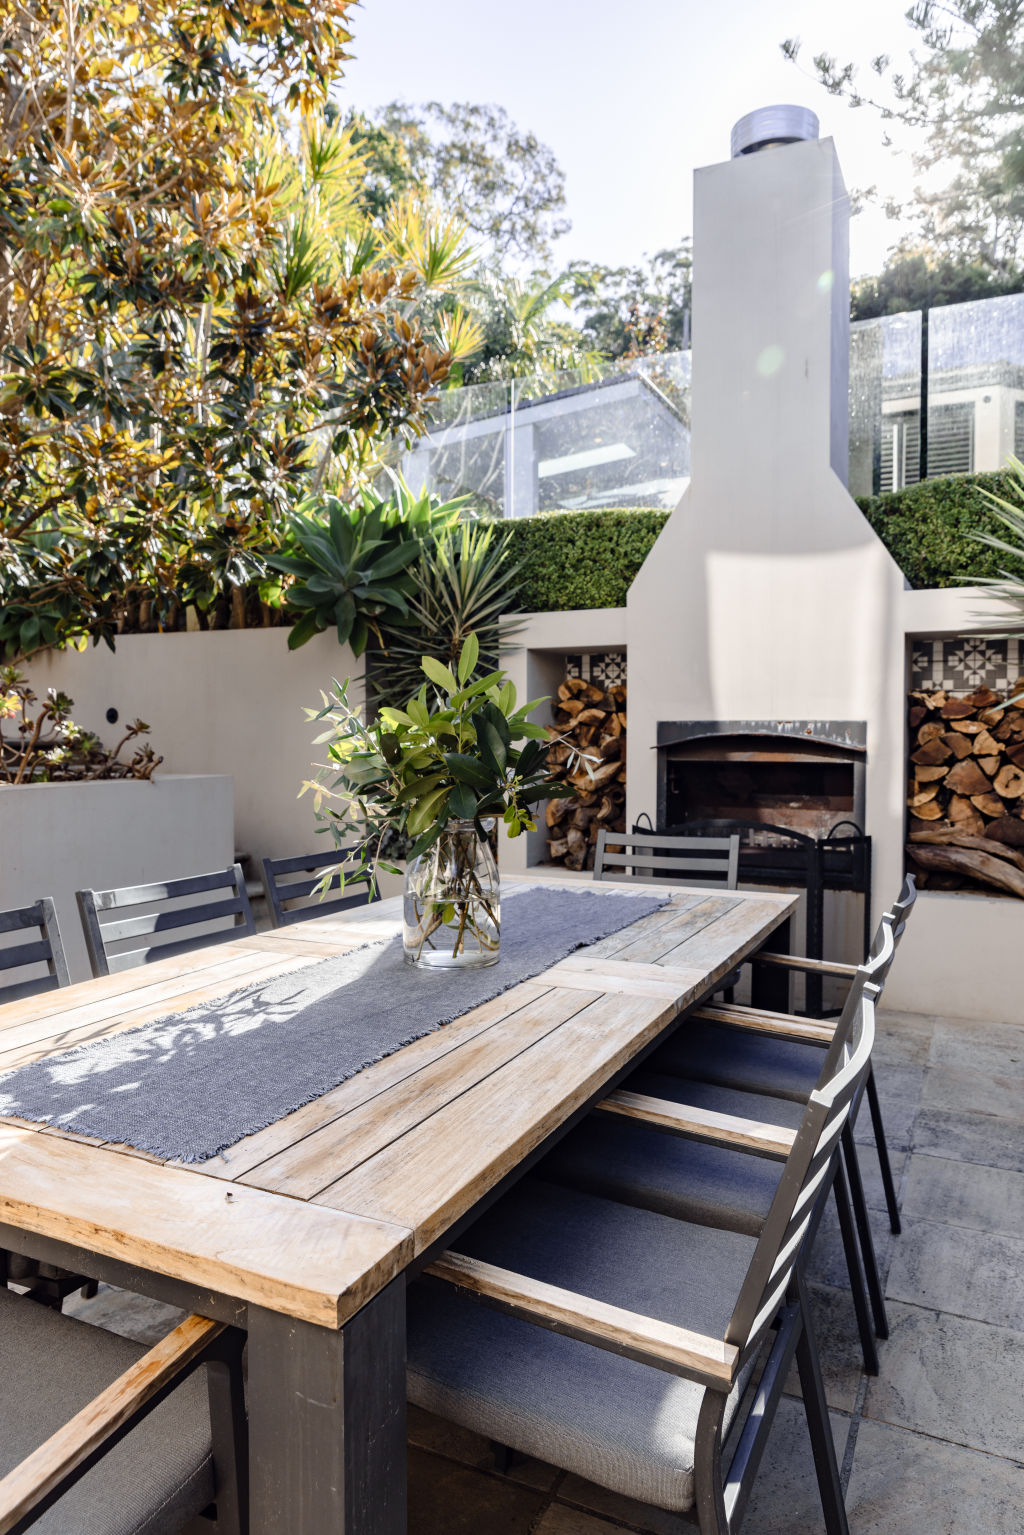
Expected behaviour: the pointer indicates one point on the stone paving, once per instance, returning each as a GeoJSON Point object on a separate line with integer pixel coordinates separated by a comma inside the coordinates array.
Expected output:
{"type": "Point", "coordinates": [935, 1444]}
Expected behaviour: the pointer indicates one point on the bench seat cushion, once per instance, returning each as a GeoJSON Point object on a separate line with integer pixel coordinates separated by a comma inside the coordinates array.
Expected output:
{"type": "Point", "coordinates": [740, 1058]}
{"type": "Point", "coordinates": [641, 1165]}
{"type": "Point", "coordinates": [155, 1480]}
{"type": "Point", "coordinates": [625, 1425]}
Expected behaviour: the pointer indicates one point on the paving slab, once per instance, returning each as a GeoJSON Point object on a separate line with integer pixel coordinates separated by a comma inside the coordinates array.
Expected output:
{"type": "Point", "coordinates": [995, 1048]}
{"type": "Point", "coordinates": [900, 1088]}
{"type": "Point", "coordinates": [964, 1194]}
{"type": "Point", "coordinates": [827, 1262]}
{"type": "Point", "coordinates": [973, 1090]}
{"type": "Point", "coordinates": [871, 1176]}
{"type": "Point", "coordinates": [951, 1378]}
{"type": "Point", "coordinates": [457, 1443]}
{"type": "Point", "coordinates": [970, 1137]}
{"type": "Point", "coordinates": [560, 1520]}
{"type": "Point", "coordinates": [785, 1500]}
{"type": "Point", "coordinates": [954, 1269]}
{"type": "Point", "coordinates": [624, 1513]}
{"type": "Point", "coordinates": [129, 1315]}
{"type": "Point", "coordinates": [455, 1499]}
{"type": "Point", "coordinates": [842, 1364]}
{"type": "Point", "coordinates": [903, 1038]}
{"type": "Point", "coordinates": [906, 1484]}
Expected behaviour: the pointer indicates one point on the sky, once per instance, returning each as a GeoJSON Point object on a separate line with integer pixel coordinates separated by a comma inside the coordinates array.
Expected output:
{"type": "Point", "coordinates": [633, 95]}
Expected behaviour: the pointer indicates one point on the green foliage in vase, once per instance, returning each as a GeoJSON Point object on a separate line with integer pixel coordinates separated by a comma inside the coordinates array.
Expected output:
{"type": "Point", "coordinates": [351, 564]}
{"type": "Point", "coordinates": [418, 767]}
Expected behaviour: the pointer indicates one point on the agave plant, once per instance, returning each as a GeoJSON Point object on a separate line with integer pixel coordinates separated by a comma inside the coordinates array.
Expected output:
{"type": "Point", "coordinates": [463, 583]}
{"type": "Point", "coordinates": [351, 565]}
{"type": "Point", "coordinates": [1008, 586]}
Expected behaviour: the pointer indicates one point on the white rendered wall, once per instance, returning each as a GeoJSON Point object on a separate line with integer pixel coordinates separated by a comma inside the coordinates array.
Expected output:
{"type": "Point", "coordinates": [228, 701]}
{"type": "Point", "coordinates": [59, 838]}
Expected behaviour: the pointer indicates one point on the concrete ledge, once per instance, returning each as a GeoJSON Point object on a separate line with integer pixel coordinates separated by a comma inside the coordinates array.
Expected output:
{"type": "Point", "coordinates": [960, 957]}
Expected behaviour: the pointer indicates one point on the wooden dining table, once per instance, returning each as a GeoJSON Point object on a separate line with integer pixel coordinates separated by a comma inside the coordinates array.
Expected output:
{"type": "Point", "coordinates": [307, 1233]}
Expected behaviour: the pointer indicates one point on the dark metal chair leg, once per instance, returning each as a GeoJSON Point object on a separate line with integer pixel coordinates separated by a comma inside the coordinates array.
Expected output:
{"type": "Point", "coordinates": [867, 1245]}
{"type": "Point", "coordinates": [816, 1408]}
{"type": "Point", "coordinates": [883, 1154]}
{"type": "Point", "coordinates": [852, 1251]}
{"type": "Point", "coordinates": [230, 1437]}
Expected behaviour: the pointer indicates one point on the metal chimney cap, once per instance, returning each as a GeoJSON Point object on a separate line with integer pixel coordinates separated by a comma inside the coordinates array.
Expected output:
{"type": "Point", "coordinates": [769, 126]}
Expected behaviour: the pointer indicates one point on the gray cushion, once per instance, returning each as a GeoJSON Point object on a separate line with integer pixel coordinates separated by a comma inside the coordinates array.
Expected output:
{"type": "Point", "coordinates": [151, 1483]}
{"type": "Point", "coordinates": [627, 1426]}
{"type": "Point", "coordinates": [644, 1166]}
{"type": "Point", "coordinates": [739, 1058]}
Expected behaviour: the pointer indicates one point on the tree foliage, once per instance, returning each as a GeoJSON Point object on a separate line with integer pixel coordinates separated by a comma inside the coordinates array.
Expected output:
{"type": "Point", "coordinates": [472, 157]}
{"type": "Point", "coordinates": [198, 322]}
{"type": "Point", "coordinates": [633, 311]}
{"type": "Point", "coordinates": [963, 101]}
{"type": "Point", "coordinates": [913, 280]}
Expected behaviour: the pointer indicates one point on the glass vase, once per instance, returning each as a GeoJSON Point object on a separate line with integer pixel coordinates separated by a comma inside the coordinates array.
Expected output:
{"type": "Point", "coordinates": [453, 902]}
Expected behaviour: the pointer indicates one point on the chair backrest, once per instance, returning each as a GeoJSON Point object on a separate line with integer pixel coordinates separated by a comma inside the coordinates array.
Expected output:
{"type": "Point", "coordinates": [808, 1169]}
{"type": "Point", "coordinates": [105, 934]}
{"type": "Point", "coordinates": [46, 950]}
{"type": "Point", "coordinates": [652, 859]}
{"type": "Point", "coordinates": [291, 899]}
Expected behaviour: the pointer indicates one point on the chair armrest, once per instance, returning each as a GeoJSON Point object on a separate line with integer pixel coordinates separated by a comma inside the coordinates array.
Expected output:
{"type": "Point", "coordinates": [55, 1461]}
{"type": "Point", "coordinates": [752, 1135]}
{"type": "Point", "coordinates": [780, 1025]}
{"type": "Point", "coordinates": [813, 966]}
{"type": "Point", "coordinates": [711, 1361]}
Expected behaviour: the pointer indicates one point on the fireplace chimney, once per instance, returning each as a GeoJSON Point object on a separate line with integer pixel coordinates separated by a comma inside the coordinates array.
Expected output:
{"type": "Point", "coordinates": [767, 595]}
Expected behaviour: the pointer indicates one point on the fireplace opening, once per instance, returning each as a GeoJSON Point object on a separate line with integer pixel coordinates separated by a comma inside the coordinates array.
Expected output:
{"type": "Point", "coordinates": [794, 792]}
{"type": "Point", "coordinates": [807, 775]}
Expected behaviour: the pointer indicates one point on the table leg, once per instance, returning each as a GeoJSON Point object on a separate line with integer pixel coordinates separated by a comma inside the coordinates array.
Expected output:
{"type": "Point", "coordinates": [327, 1422]}
{"type": "Point", "coordinates": [769, 984]}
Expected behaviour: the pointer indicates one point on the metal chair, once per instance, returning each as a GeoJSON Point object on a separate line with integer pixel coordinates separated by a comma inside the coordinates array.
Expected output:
{"type": "Point", "coordinates": [46, 949]}
{"type": "Point", "coordinates": [291, 900]}
{"type": "Point", "coordinates": [104, 934]}
{"type": "Point", "coordinates": [604, 1303]}
{"type": "Point", "coordinates": [778, 1054]}
{"type": "Point", "coordinates": [650, 858]}
{"type": "Point", "coordinates": [115, 1439]}
{"type": "Point", "coordinates": [718, 1162]}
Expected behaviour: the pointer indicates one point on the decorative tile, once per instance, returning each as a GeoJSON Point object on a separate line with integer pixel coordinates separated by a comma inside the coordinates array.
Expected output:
{"type": "Point", "coordinates": [606, 668]}
{"type": "Point", "coordinates": [963, 664]}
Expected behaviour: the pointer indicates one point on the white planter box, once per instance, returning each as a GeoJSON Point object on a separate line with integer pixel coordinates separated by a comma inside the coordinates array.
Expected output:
{"type": "Point", "coordinates": [59, 838]}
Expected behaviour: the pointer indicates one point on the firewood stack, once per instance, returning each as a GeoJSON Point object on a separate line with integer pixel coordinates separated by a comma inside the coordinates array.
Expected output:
{"type": "Point", "coordinates": [593, 719]}
{"type": "Point", "coordinates": [966, 792]}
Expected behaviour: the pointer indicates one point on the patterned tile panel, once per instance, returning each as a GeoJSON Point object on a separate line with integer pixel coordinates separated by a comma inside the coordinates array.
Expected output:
{"type": "Point", "coordinates": [963, 664]}
{"type": "Point", "coordinates": [605, 668]}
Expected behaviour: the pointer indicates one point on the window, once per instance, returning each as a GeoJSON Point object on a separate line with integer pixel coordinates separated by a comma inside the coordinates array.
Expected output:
{"type": "Point", "coordinates": [950, 439]}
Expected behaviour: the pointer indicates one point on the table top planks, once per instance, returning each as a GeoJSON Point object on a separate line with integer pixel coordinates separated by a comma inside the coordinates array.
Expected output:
{"type": "Point", "coordinates": [314, 1214]}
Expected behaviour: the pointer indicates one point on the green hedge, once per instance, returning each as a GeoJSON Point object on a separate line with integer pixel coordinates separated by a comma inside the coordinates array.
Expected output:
{"type": "Point", "coordinates": [927, 528]}
{"type": "Point", "coordinates": [581, 559]}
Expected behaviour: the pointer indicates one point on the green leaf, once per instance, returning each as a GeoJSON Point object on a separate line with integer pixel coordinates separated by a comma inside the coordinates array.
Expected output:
{"type": "Point", "coordinates": [426, 811]}
{"type": "Point", "coordinates": [439, 674]}
{"type": "Point", "coordinates": [462, 802]}
{"type": "Point", "coordinates": [468, 658]}
{"type": "Point", "coordinates": [467, 770]}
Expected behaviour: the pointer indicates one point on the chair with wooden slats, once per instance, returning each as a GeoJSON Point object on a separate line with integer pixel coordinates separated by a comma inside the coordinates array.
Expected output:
{"type": "Point", "coordinates": [104, 1437]}
{"type": "Point", "coordinates": [110, 935]}
{"type": "Point", "coordinates": [624, 1342]}
{"type": "Point", "coordinates": [650, 858]}
{"type": "Point", "coordinates": [707, 1151]}
{"type": "Point", "coordinates": [29, 952]}
{"type": "Point", "coordinates": [289, 884]}
{"type": "Point", "coordinates": [776, 1053]}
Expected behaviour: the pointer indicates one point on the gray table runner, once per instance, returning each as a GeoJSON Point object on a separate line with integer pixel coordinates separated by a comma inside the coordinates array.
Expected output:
{"type": "Point", "coordinates": [191, 1084]}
